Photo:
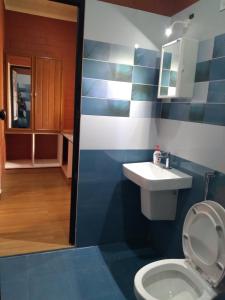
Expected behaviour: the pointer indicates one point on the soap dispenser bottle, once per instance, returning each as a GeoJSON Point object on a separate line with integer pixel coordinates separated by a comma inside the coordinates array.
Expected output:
{"type": "Point", "coordinates": [157, 155]}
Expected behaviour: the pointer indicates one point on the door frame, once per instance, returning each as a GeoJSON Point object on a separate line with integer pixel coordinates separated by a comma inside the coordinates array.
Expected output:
{"type": "Point", "coordinates": [2, 95]}
{"type": "Point", "coordinates": [77, 117]}
{"type": "Point", "coordinates": [80, 4]}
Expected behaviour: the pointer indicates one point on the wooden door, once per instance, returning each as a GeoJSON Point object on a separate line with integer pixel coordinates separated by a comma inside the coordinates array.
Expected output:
{"type": "Point", "coordinates": [1, 90]}
{"type": "Point", "coordinates": [48, 94]}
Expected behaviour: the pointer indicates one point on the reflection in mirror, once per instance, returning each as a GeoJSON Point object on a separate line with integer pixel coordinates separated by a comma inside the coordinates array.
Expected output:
{"type": "Point", "coordinates": [169, 70]}
{"type": "Point", "coordinates": [20, 96]}
{"type": "Point", "coordinates": [178, 68]}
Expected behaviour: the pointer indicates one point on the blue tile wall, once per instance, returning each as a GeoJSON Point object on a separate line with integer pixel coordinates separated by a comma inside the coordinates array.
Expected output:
{"type": "Point", "coordinates": [106, 52]}
{"type": "Point", "coordinates": [208, 113]}
{"type": "Point", "coordinates": [102, 107]}
{"type": "Point", "coordinates": [217, 189]}
{"type": "Point", "coordinates": [156, 109]}
{"type": "Point", "coordinates": [107, 71]}
{"type": "Point", "coordinates": [216, 92]}
{"type": "Point", "coordinates": [147, 58]}
{"type": "Point", "coordinates": [117, 72]}
{"type": "Point", "coordinates": [98, 51]}
{"type": "Point", "coordinates": [197, 112]}
{"type": "Point", "coordinates": [202, 71]}
{"type": "Point", "coordinates": [215, 114]}
{"type": "Point", "coordinates": [217, 69]}
{"type": "Point", "coordinates": [108, 203]}
{"type": "Point", "coordinates": [219, 46]}
{"type": "Point", "coordinates": [165, 112]}
{"type": "Point", "coordinates": [144, 92]}
{"type": "Point", "coordinates": [145, 75]}
{"type": "Point", "coordinates": [179, 114]}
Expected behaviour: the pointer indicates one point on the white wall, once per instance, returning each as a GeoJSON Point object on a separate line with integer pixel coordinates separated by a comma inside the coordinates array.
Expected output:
{"type": "Point", "coordinates": [207, 23]}
{"type": "Point", "coordinates": [104, 133]}
{"type": "Point", "coordinates": [125, 26]}
{"type": "Point", "coordinates": [201, 143]}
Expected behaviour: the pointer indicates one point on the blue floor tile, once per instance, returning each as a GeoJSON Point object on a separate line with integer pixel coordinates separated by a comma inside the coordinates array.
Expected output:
{"type": "Point", "coordinates": [124, 260]}
{"type": "Point", "coordinates": [84, 273]}
{"type": "Point", "coordinates": [15, 290]}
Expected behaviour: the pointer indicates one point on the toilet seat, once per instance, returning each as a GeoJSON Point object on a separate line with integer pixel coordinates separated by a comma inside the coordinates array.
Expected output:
{"type": "Point", "coordinates": [204, 240]}
{"type": "Point", "coordinates": [204, 267]}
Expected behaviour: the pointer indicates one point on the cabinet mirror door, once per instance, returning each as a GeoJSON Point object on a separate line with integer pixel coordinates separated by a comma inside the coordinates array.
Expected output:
{"type": "Point", "coordinates": [19, 95]}
{"type": "Point", "coordinates": [169, 70]}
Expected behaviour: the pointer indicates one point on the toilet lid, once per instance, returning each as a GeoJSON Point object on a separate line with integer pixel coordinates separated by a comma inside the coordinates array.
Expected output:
{"type": "Point", "coordinates": [204, 240]}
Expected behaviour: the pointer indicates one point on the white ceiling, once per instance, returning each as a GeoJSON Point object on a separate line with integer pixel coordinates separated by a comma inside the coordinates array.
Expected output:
{"type": "Point", "coordinates": [43, 8]}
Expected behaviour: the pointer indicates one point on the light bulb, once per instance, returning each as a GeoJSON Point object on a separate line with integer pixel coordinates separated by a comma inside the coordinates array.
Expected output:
{"type": "Point", "coordinates": [168, 31]}
{"type": "Point", "coordinates": [136, 46]}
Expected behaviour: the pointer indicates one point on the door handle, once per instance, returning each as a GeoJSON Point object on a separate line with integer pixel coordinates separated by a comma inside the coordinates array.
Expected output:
{"type": "Point", "coordinates": [2, 115]}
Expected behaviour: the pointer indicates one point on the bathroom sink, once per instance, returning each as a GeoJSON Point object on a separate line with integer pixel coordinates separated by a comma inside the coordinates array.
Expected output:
{"type": "Point", "coordinates": [151, 177]}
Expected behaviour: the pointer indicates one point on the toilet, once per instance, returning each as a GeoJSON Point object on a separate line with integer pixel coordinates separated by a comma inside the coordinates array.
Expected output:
{"type": "Point", "coordinates": [198, 275]}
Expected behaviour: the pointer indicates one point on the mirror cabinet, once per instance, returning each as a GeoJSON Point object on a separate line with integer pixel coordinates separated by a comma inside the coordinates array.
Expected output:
{"type": "Point", "coordinates": [177, 70]}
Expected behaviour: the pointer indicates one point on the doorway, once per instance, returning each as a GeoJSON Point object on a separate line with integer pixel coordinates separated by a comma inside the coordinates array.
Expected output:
{"type": "Point", "coordinates": [40, 161]}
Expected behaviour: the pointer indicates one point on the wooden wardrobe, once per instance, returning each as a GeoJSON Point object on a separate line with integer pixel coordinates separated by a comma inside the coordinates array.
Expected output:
{"type": "Point", "coordinates": [38, 142]}
{"type": "Point", "coordinates": [48, 94]}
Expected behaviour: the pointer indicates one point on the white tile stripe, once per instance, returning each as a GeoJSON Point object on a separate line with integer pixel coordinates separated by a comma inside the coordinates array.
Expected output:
{"type": "Point", "coordinates": [119, 63]}
{"type": "Point", "coordinates": [201, 143]}
{"type": "Point", "coordinates": [116, 133]}
{"type": "Point", "coordinates": [130, 82]}
{"type": "Point", "coordinates": [140, 109]}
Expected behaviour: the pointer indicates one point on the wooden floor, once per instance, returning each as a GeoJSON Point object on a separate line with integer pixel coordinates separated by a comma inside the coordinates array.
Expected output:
{"type": "Point", "coordinates": [34, 211]}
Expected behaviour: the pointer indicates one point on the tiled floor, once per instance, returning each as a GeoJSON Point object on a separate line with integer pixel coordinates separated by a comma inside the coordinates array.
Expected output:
{"type": "Point", "coordinates": [92, 273]}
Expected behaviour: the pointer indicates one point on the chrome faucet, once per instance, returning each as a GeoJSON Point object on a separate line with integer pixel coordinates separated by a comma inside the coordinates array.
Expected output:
{"type": "Point", "coordinates": [167, 156]}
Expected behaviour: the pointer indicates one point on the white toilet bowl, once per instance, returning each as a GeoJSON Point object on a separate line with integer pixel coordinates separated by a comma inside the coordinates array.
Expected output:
{"type": "Point", "coordinates": [171, 279]}
{"type": "Point", "coordinates": [197, 276]}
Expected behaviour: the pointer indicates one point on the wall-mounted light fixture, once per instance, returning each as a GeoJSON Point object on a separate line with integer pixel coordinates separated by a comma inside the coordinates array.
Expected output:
{"type": "Point", "coordinates": [185, 23]}
{"type": "Point", "coordinates": [169, 30]}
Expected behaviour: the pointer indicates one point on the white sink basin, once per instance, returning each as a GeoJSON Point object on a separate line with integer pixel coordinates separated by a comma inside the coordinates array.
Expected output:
{"type": "Point", "coordinates": [151, 177]}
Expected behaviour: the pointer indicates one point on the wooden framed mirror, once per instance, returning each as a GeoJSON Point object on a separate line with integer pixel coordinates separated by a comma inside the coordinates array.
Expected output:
{"type": "Point", "coordinates": [19, 86]}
